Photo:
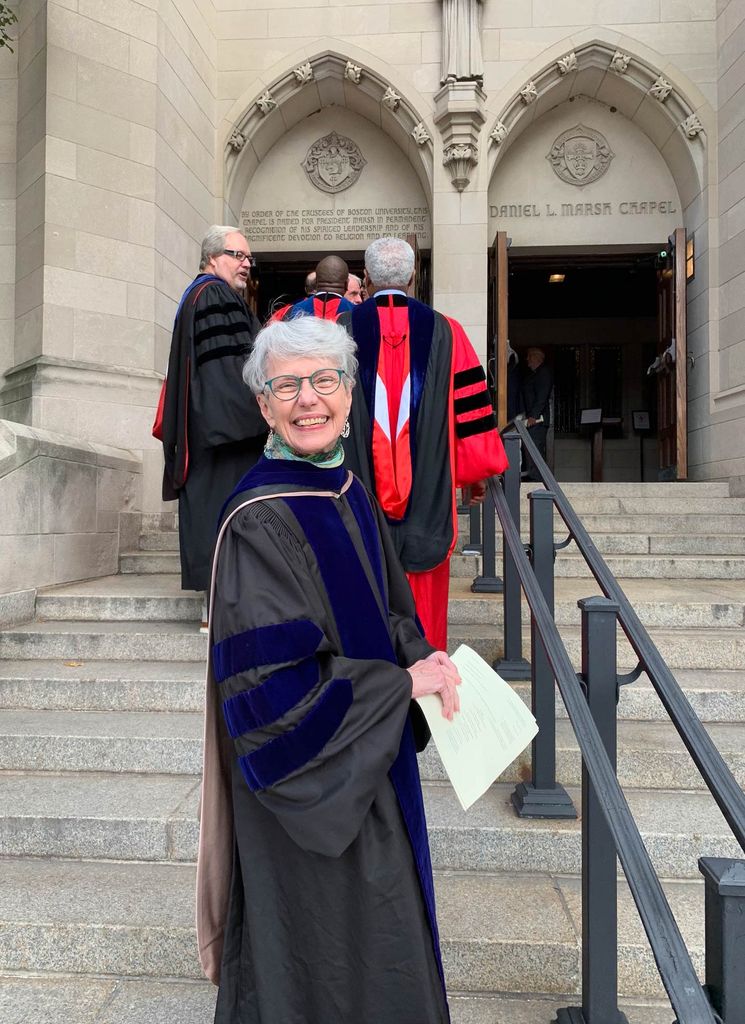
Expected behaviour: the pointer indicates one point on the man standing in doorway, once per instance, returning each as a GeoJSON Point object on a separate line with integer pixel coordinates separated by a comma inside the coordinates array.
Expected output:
{"type": "Point", "coordinates": [537, 385]}
{"type": "Point", "coordinates": [327, 302]}
{"type": "Point", "coordinates": [212, 432]}
{"type": "Point", "coordinates": [421, 424]}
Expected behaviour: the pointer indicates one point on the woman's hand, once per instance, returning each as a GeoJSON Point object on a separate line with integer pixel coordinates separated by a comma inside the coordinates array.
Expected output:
{"type": "Point", "coordinates": [437, 674]}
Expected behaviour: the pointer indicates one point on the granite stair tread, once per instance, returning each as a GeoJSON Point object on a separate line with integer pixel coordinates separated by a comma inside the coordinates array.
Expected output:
{"type": "Point", "coordinates": [154, 818]}
{"type": "Point", "coordinates": [88, 1000]}
{"type": "Point", "coordinates": [499, 932]}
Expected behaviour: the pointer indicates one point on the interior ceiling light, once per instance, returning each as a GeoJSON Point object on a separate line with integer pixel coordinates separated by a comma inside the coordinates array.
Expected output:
{"type": "Point", "coordinates": [556, 278]}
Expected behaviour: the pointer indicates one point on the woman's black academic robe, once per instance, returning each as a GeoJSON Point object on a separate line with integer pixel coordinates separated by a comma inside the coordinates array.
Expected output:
{"type": "Point", "coordinates": [331, 908]}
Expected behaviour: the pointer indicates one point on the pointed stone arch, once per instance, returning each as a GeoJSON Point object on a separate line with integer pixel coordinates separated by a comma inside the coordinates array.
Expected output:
{"type": "Point", "coordinates": [309, 80]}
{"type": "Point", "coordinates": [643, 86]}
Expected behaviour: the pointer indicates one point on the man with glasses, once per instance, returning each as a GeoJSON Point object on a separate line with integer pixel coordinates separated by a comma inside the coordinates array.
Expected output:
{"type": "Point", "coordinates": [211, 432]}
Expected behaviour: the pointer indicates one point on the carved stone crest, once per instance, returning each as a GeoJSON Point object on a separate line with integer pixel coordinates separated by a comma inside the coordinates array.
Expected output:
{"type": "Point", "coordinates": [333, 163]}
{"type": "Point", "coordinates": [580, 155]}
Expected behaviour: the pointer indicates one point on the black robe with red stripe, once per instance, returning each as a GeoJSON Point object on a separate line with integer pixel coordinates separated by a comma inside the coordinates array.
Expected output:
{"type": "Point", "coordinates": [453, 432]}
{"type": "Point", "coordinates": [213, 431]}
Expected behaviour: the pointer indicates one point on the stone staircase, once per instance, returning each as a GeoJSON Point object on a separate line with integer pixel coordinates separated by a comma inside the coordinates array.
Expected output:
{"type": "Point", "coordinates": [100, 746]}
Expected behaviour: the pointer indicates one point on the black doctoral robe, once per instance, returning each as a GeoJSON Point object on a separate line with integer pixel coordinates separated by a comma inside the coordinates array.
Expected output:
{"type": "Point", "coordinates": [213, 431]}
{"type": "Point", "coordinates": [331, 911]}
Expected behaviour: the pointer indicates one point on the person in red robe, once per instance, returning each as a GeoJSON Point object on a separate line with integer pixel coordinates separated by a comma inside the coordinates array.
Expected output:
{"type": "Point", "coordinates": [422, 424]}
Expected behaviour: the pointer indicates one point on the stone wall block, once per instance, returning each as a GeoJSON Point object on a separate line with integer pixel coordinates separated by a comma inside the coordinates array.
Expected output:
{"type": "Point", "coordinates": [17, 607]}
{"type": "Point", "coordinates": [83, 556]}
{"type": "Point", "coordinates": [27, 561]}
{"type": "Point", "coordinates": [20, 500]}
{"type": "Point", "coordinates": [68, 497]}
{"type": "Point", "coordinates": [116, 491]}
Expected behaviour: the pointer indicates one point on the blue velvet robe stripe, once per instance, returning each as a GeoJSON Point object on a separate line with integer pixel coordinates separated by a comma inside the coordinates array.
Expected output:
{"type": "Point", "coordinates": [268, 645]}
{"type": "Point", "coordinates": [268, 702]}
{"type": "Point", "coordinates": [293, 749]}
{"type": "Point", "coordinates": [363, 513]}
{"type": "Point", "coordinates": [366, 331]}
{"type": "Point", "coordinates": [365, 634]}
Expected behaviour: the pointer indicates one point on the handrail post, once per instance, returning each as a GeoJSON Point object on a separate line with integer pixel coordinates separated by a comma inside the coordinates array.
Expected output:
{"type": "Point", "coordinates": [724, 909]}
{"type": "Point", "coordinates": [599, 882]}
{"type": "Point", "coordinates": [488, 582]}
{"type": "Point", "coordinates": [512, 665]}
{"type": "Point", "coordinates": [473, 544]}
{"type": "Point", "coordinates": [543, 797]}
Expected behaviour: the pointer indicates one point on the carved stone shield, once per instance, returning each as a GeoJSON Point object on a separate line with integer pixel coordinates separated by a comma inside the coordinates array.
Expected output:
{"type": "Point", "coordinates": [580, 155]}
{"type": "Point", "coordinates": [334, 162]}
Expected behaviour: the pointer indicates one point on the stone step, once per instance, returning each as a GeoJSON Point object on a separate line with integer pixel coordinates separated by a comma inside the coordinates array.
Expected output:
{"type": "Point", "coordinates": [102, 685]}
{"type": "Point", "coordinates": [655, 504]}
{"type": "Point", "coordinates": [715, 649]}
{"type": "Point", "coordinates": [150, 562]}
{"type": "Point", "coordinates": [104, 641]}
{"type": "Point", "coordinates": [154, 818]}
{"type": "Point", "coordinates": [657, 567]}
{"type": "Point", "coordinates": [650, 754]}
{"type": "Point", "coordinates": [660, 524]}
{"type": "Point", "coordinates": [64, 999]}
{"type": "Point", "coordinates": [179, 686]}
{"type": "Point", "coordinates": [160, 540]}
{"type": "Point", "coordinates": [500, 932]}
{"type": "Point", "coordinates": [575, 490]}
{"type": "Point", "coordinates": [157, 686]}
{"type": "Point", "coordinates": [179, 641]}
{"type": "Point", "coordinates": [658, 603]}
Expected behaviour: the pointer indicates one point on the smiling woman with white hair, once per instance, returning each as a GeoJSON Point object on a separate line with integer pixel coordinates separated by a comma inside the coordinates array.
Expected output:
{"type": "Point", "coordinates": [315, 899]}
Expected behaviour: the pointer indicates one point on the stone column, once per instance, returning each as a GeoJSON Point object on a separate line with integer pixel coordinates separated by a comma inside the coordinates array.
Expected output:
{"type": "Point", "coordinates": [115, 188]}
{"type": "Point", "coordinates": [460, 211]}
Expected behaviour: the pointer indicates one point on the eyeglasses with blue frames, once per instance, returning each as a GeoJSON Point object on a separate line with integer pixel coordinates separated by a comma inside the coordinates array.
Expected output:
{"type": "Point", "coordinates": [287, 386]}
{"type": "Point", "coordinates": [241, 256]}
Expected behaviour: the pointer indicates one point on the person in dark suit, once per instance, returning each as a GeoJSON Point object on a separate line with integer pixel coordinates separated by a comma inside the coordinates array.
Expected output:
{"type": "Point", "coordinates": [537, 385]}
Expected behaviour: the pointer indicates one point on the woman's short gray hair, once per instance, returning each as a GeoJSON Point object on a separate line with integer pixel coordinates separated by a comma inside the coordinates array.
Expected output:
{"type": "Point", "coordinates": [389, 262]}
{"type": "Point", "coordinates": [213, 243]}
{"type": "Point", "coordinates": [303, 337]}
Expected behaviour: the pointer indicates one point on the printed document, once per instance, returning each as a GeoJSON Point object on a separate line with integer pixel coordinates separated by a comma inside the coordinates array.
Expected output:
{"type": "Point", "coordinates": [491, 729]}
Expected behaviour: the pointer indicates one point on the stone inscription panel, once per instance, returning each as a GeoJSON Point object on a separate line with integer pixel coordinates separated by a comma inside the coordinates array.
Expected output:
{"type": "Point", "coordinates": [629, 207]}
{"type": "Point", "coordinates": [345, 227]}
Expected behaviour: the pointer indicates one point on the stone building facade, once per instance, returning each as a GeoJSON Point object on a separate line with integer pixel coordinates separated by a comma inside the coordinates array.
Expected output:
{"type": "Point", "coordinates": [127, 126]}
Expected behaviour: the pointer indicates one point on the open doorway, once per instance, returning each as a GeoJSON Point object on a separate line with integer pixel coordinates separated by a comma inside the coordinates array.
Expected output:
{"type": "Point", "coordinates": [600, 318]}
{"type": "Point", "coordinates": [280, 277]}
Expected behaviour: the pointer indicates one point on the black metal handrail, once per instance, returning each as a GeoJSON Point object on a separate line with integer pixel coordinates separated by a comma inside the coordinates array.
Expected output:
{"type": "Point", "coordinates": [669, 950]}
{"type": "Point", "coordinates": [710, 763]}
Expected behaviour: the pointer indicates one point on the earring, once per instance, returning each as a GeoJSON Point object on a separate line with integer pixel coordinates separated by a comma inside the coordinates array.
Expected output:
{"type": "Point", "coordinates": [269, 446]}
{"type": "Point", "coordinates": [345, 429]}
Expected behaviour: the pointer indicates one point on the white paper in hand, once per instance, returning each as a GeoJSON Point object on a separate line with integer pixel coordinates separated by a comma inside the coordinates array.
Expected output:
{"type": "Point", "coordinates": [492, 727]}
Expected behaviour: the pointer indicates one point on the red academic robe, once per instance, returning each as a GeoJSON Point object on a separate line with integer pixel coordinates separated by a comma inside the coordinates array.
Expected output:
{"type": "Point", "coordinates": [422, 425]}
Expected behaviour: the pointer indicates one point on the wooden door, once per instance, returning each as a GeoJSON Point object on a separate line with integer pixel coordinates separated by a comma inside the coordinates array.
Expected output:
{"type": "Point", "coordinates": [415, 286]}
{"type": "Point", "coordinates": [497, 326]}
{"type": "Point", "coordinates": [670, 364]}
